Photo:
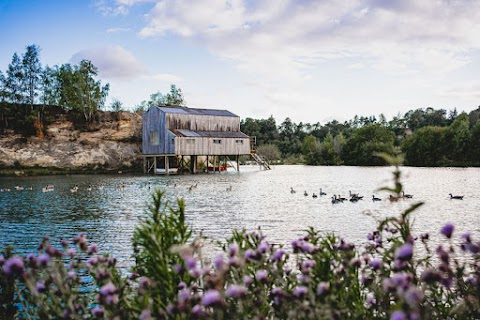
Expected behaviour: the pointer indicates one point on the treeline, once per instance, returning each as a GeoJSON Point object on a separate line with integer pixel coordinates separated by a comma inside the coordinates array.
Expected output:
{"type": "Point", "coordinates": [427, 137]}
{"type": "Point", "coordinates": [29, 90]}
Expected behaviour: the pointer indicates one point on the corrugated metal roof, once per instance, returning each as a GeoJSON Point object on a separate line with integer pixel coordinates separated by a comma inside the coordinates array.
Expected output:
{"type": "Point", "coordinates": [208, 112]}
{"type": "Point", "coordinates": [209, 134]}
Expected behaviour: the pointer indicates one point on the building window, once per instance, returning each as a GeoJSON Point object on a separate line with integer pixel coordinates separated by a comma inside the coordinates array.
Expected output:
{"type": "Point", "coordinates": [154, 138]}
{"type": "Point", "coordinates": [239, 141]}
{"type": "Point", "coordinates": [217, 141]}
{"type": "Point", "coordinates": [190, 141]}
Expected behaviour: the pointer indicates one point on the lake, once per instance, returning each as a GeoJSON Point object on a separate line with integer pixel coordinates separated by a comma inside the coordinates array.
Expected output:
{"type": "Point", "coordinates": [257, 199]}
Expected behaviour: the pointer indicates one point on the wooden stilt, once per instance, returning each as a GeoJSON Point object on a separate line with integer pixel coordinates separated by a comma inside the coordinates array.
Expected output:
{"type": "Point", "coordinates": [154, 164]}
{"type": "Point", "coordinates": [238, 162]}
{"type": "Point", "coordinates": [166, 165]}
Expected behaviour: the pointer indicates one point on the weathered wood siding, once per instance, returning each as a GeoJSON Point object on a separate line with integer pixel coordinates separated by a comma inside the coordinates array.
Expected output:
{"type": "Point", "coordinates": [203, 146]}
{"type": "Point", "coordinates": [202, 122]}
{"type": "Point", "coordinates": [154, 121]}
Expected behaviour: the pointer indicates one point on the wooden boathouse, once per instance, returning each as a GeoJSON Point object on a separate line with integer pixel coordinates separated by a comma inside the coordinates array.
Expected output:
{"type": "Point", "coordinates": [177, 138]}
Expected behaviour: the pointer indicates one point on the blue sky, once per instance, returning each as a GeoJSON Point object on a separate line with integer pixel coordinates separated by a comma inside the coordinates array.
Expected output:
{"type": "Point", "coordinates": [312, 61]}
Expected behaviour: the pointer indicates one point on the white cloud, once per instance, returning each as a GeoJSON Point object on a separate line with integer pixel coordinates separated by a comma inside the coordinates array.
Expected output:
{"type": "Point", "coordinates": [112, 62]}
{"type": "Point", "coordinates": [290, 35]}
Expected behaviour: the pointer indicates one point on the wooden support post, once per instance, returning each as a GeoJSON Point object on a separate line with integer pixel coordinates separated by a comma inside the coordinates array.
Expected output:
{"type": "Point", "coordinates": [166, 164]}
{"type": "Point", "coordinates": [144, 164]}
{"type": "Point", "coordinates": [154, 164]}
{"type": "Point", "coordinates": [207, 163]}
{"type": "Point", "coordinates": [238, 163]}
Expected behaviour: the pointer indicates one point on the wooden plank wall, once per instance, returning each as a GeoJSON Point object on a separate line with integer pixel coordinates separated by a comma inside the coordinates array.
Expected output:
{"type": "Point", "coordinates": [154, 120]}
{"type": "Point", "coordinates": [202, 122]}
{"type": "Point", "coordinates": [205, 146]}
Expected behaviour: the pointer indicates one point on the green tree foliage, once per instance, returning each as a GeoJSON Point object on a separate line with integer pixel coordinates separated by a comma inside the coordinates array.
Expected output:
{"type": "Point", "coordinates": [116, 105]}
{"type": "Point", "coordinates": [311, 150]}
{"type": "Point", "coordinates": [426, 147]}
{"type": "Point", "coordinates": [80, 91]}
{"type": "Point", "coordinates": [174, 97]}
{"type": "Point", "coordinates": [365, 142]}
{"type": "Point", "coordinates": [269, 151]}
{"type": "Point", "coordinates": [49, 88]}
{"type": "Point", "coordinates": [32, 70]}
{"type": "Point", "coordinates": [14, 80]}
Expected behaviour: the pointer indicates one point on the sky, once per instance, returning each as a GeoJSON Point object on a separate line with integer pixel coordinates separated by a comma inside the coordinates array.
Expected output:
{"type": "Point", "coordinates": [312, 61]}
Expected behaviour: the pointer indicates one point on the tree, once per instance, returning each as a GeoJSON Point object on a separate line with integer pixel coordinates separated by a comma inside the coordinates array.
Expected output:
{"type": "Point", "coordinates": [365, 142]}
{"type": "Point", "coordinates": [116, 105]}
{"type": "Point", "coordinates": [3, 88]}
{"type": "Point", "coordinates": [269, 151]}
{"type": "Point", "coordinates": [174, 97]}
{"type": "Point", "coordinates": [49, 91]}
{"type": "Point", "coordinates": [14, 80]}
{"type": "Point", "coordinates": [80, 92]}
{"type": "Point", "coordinates": [426, 147]}
{"type": "Point", "coordinates": [459, 136]}
{"type": "Point", "coordinates": [31, 73]}
{"type": "Point", "coordinates": [311, 150]}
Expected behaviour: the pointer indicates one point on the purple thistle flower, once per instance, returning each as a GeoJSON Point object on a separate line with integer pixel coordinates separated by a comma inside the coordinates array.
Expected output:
{"type": "Point", "coordinates": [247, 280]}
{"type": "Point", "coordinates": [467, 236]}
{"type": "Point", "coordinates": [44, 259]}
{"type": "Point", "coordinates": [191, 262]}
{"type": "Point", "coordinates": [219, 262]}
{"type": "Point", "coordinates": [277, 256]}
{"type": "Point", "coordinates": [277, 291]}
{"type": "Point", "coordinates": [233, 249]}
{"type": "Point", "coordinates": [182, 285]}
{"type": "Point", "coordinates": [40, 287]}
{"type": "Point", "coordinates": [66, 314]}
{"type": "Point", "coordinates": [184, 295]}
{"type": "Point", "coordinates": [235, 291]}
{"type": "Point", "coordinates": [234, 261]}
{"type": "Point", "coordinates": [177, 268]}
{"type": "Point", "coordinates": [307, 247]}
{"type": "Point", "coordinates": [300, 291]}
{"type": "Point", "coordinates": [308, 264]}
{"type": "Point", "coordinates": [195, 272]}
{"type": "Point", "coordinates": [211, 297]}
{"type": "Point", "coordinates": [413, 297]}
{"type": "Point", "coordinates": [108, 289]}
{"type": "Point", "coordinates": [145, 315]}
{"type": "Point", "coordinates": [263, 247]}
{"type": "Point", "coordinates": [197, 311]}
{"type": "Point", "coordinates": [402, 279]}
{"type": "Point", "coordinates": [370, 299]}
{"type": "Point", "coordinates": [98, 311]}
{"type": "Point", "coordinates": [92, 249]}
{"type": "Point", "coordinates": [14, 265]}
{"type": "Point", "coordinates": [398, 315]}
{"type": "Point", "coordinates": [250, 255]}
{"type": "Point", "coordinates": [261, 275]}
{"type": "Point", "coordinates": [405, 252]}
{"type": "Point", "coordinates": [71, 252]}
{"type": "Point", "coordinates": [323, 288]}
{"type": "Point", "coordinates": [296, 244]}
{"type": "Point", "coordinates": [376, 263]}
{"type": "Point", "coordinates": [71, 275]}
{"type": "Point", "coordinates": [447, 230]}
{"type": "Point", "coordinates": [355, 262]}
{"type": "Point", "coordinates": [430, 276]}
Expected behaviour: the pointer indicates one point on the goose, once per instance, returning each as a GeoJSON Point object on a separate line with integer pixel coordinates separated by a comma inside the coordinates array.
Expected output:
{"type": "Point", "coordinates": [314, 195]}
{"type": "Point", "coordinates": [392, 198]}
{"type": "Point", "coordinates": [340, 198]}
{"type": "Point", "coordinates": [335, 200]}
{"type": "Point", "coordinates": [375, 198]}
{"type": "Point", "coordinates": [352, 195]}
{"type": "Point", "coordinates": [18, 188]}
{"type": "Point", "coordinates": [409, 196]}
{"type": "Point", "coordinates": [322, 193]}
{"type": "Point", "coordinates": [305, 193]}
{"type": "Point", "coordinates": [291, 190]}
{"type": "Point", "coordinates": [456, 197]}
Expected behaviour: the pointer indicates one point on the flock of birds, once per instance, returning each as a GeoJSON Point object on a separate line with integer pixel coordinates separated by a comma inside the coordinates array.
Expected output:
{"type": "Point", "coordinates": [354, 197]}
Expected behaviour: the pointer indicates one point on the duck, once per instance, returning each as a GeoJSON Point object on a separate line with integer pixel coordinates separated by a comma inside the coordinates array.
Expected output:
{"type": "Point", "coordinates": [340, 198]}
{"type": "Point", "coordinates": [291, 190]}
{"type": "Point", "coordinates": [408, 196]}
{"type": "Point", "coordinates": [335, 200]}
{"type": "Point", "coordinates": [305, 193]}
{"type": "Point", "coordinates": [322, 193]}
{"type": "Point", "coordinates": [314, 195]}
{"type": "Point", "coordinates": [375, 198]}
{"type": "Point", "coordinates": [456, 197]}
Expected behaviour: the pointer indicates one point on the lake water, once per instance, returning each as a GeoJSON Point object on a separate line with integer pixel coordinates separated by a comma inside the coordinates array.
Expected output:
{"type": "Point", "coordinates": [257, 199]}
